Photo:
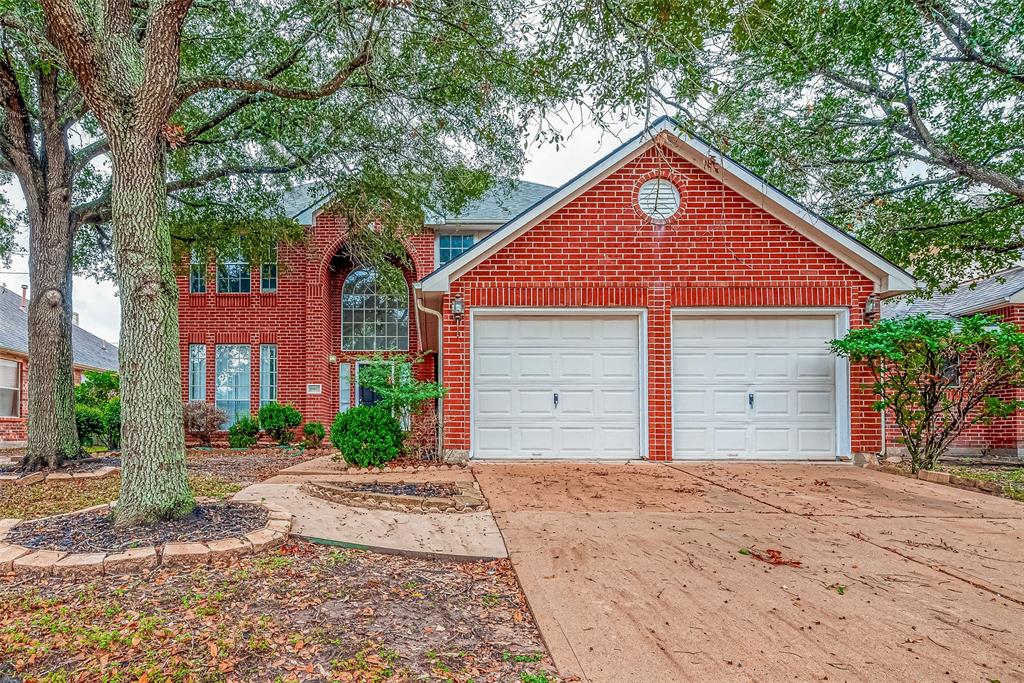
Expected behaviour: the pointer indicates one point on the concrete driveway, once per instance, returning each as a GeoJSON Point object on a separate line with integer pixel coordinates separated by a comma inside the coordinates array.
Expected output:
{"type": "Point", "coordinates": [635, 572]}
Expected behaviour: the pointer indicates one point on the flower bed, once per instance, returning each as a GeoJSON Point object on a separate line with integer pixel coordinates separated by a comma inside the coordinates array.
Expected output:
{"type": "Point", "coordinates": [405, 496]}
{"type": "Point", "coordinates": [86, 542]}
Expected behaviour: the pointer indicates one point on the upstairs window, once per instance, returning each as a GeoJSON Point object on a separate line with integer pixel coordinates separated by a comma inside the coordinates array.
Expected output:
{"type": "Point", "coordinates": [196, 276]}
{"type": "Point", "coordinates": [450, 246]}
{"type": "Point", "coordinates": [371, 318]}
{"type": "Point", "coordinates": [233, 275]}
{"type": "Point", "coordinates": [268, 272]}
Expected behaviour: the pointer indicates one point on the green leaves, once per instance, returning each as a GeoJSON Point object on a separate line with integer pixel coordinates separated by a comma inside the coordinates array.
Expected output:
{"type": "Point", "coordinates": [937, 377]}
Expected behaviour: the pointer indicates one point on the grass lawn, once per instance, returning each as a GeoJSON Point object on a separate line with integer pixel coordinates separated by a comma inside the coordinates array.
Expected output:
{"type": "Point", "coordinates": [57, 497]}
{"type": "Point", "coordinates": [1012, 478]}
{"type": "Point", "coordinates": [305, 613]}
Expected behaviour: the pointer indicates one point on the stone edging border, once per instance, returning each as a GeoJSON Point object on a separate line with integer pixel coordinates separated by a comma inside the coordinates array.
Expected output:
{"type": "Point", "coordinates": [992, 488]}
{"type": "Point", "coordinates": [23, 561]}
{"type": "Point", "coordinates": [40, 477]}
{"type": "Point", "coordinates": [469, 498]}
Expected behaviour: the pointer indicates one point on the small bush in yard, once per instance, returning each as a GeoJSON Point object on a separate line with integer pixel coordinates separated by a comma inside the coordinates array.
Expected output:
{"type": "Point", "coordinates": [112, 422]}
{"type": "Point", "coordinates": [280, 421]}
{"type": "Point", "coordinates": [89, 422]}
{"type": "Point", "coordinates": [937, 377]}
{"type": "Point", "coordinates": [367, 436]}
{"type": "Point", "coordinates": [203, 420]}
{"type": "Point", "coordinates": [244, 433]}
{"type": "Point", "coordinates": [314, 432]}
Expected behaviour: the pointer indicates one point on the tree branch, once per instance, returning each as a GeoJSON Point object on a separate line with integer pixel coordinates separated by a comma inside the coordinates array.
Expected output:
{"type": "Point", "coordinates": [956, 29]}
{"type": "Point", "coordinates": [228, 172]}
{"type": "Point", "coordinates": [260, 85]}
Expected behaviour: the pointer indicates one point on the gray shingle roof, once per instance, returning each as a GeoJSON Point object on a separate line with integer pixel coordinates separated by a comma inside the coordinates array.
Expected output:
{"type": "Point", "coordinates": [90, 351]}
{"type": "Point", "coordinates": [498, 205]}
{"type": "Point", "coordinates": [970, 297]}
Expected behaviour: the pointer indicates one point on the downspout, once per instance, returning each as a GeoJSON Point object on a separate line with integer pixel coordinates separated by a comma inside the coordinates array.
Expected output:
{"type": "Point", "coordinates": [440, 361]}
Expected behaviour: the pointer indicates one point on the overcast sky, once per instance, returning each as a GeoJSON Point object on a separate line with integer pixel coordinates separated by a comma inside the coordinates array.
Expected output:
{"type": "Point", "coordinates": [98, 307]}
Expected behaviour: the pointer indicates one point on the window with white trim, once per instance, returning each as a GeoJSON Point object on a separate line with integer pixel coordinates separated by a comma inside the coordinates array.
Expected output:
{"type": "Point", "coordinates": [268, 373]}
{"type": "Point", "coordinates": [268, 272]}
{"type": "Point", "coordinates": [10, 388]}
{"type": "Point", "coordinates": [372, 319]}
{"type": "Point", "coordinates": [196, 276]}
{"type": "Point", "coordinates": [659, 199]}
{"type": "Point", "coordinates": [233, 276]}
{"type": "Point", "coordinates": [450, 246]}
{"type": "Point", "coordinates": [233, 381]}
{"type": "Point", "coordinates": [197, 372]}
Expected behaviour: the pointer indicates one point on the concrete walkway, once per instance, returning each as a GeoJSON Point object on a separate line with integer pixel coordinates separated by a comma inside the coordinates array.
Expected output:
{"type": "Point", "coordinates": [457, 536]}
{"type": "Point", "coordinates": [647, 572]}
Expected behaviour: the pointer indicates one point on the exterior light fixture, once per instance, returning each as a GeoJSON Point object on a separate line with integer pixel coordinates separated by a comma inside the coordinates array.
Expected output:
{"type": "Point", "coordinates": [458, 308]}
{"type": "Point", "coordinates": [870, 308]}
{"type": "Point", "coordinates": [332, 359]}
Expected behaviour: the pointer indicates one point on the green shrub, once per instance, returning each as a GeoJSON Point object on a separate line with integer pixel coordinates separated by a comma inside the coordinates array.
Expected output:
{"type": "Point", "coordinates": [97, 387]}
{"type": "Point", "coordinates": [89, 422]}
{"type": "Point", "coordinates": [244, 433]}
{"type": "Point", "coordinates": [314, 432]}
{"type": "Point", "coordinates": [112, 422]}
{"type": "Point", "coordinates": [367, 436]}
{"type": "Point", "coordinates": [279, 421]}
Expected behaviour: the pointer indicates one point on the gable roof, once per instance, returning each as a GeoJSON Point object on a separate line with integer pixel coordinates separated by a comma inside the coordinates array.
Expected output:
{"type": "Point", "coordinates": [890, 278]}
{"type": "Point", "coordinates": [973, 296]}
{"type": "Point", "coordinates": [496, 206]}
{"type": "Point", "coordinates": [90, 351]}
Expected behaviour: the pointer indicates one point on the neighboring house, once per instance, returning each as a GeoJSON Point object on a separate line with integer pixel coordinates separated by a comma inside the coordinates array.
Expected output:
{"type": "Point", "coordinates": [90, 353]}
{"type": "Point", "coordinates": [1001, 295]}
{"type": "Point", "coordinates": [665, 303]}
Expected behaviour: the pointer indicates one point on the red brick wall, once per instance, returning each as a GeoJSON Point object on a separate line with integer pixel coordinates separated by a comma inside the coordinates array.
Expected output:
{"type": "Point", "coordinates": [719, 250]}
{"type": "Point", "coordinates": [1006, 434]}
{"type": "Point", "coordinates": [303, 318]}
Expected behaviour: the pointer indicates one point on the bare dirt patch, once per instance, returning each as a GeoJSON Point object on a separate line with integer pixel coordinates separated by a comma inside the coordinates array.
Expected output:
{"type": "Point", "coordinates": [94, 532]}
{"type": "Point", "coordinates": [306, 613]}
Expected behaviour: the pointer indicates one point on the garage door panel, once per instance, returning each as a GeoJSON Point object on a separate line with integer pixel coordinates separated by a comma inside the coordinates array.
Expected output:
{"type": "Point", "coordinates": [727, 403]}
{"type": "Point", "coordinates": [494, 366]}
{"type": "Point", "coordinates": [784, 361]}
{"type": "Point", "coordinates": [591, 362]}
{"type": "Point", "coordinates": [532, 402]}
{"type": "Point", "coordinates": [494, 404]}
{"type": "Point", "coordinates": [773, 403]}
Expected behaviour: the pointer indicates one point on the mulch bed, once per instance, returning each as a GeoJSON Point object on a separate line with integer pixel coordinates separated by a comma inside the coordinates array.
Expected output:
{"type": "Point", "coordinates": [403, 489]}
{"type": "Point", "coordinates": [305, 613]}
{"type": "Point", "coordinates": [94, 532]}
{"type": "Point", "coordinates": [247, 466]}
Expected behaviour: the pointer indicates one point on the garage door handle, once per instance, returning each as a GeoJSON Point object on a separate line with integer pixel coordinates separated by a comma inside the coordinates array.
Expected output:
{"type": "Point", "coordinates": [556, 399]}
{"type": "Point", "coordinates": [750, 400]}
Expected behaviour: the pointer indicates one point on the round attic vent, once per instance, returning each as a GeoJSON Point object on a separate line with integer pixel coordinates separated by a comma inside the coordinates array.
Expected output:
{"type": "Point", "coordinates": [658, 199]}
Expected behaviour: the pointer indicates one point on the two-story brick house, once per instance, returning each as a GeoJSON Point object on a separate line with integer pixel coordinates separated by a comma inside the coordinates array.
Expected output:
{"type": "Point", "coordinates": [665, 303]}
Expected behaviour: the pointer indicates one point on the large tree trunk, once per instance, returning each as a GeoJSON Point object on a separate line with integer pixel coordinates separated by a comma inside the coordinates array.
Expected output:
{"type": "Point", "coordinates": [154, 485]}
{"type": "Point", "coordinates": [52, 436]}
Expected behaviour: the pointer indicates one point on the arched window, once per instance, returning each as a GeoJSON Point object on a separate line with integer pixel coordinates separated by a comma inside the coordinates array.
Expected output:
{"type": "Point", "coordinates": [371, 318]}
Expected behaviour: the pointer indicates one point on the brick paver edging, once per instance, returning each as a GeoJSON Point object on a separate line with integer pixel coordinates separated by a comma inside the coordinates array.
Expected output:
{"type": "Point", "coordinates": [24, 561]}
{"type": "Point", "coordinates": [936, 477]}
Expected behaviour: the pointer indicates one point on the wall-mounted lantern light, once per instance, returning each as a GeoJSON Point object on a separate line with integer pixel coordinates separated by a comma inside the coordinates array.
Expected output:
{"type": "Point", "coordinates": [870, 308]}
{"type": "Point", "coordinates": [458, 308]}
{"type": "Point", "coordinates": [332, 359]}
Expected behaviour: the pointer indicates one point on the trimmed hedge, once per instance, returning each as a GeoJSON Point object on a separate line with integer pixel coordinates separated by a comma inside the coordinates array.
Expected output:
{"type": "Point", "coordinates": [367, 436]}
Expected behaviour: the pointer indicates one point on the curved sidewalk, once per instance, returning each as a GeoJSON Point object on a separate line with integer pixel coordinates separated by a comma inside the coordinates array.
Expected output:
{"type": "Point", "coordinates": [453, 536]}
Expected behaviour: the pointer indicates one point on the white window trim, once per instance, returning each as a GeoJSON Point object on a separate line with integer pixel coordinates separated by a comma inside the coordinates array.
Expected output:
{"type": "Point", "coordinates": [277, 379]}
{"type": "Point", "coordinates": [409, 312]}
{"type": "Point", "coordinates": [16, 389]}
{"type": "Point", "coordinates": [842, 326]}
{"type": "Point", "coordinates": [476, 235]}
{"type": "Point", "coordinates": [639, 313]}
{"type": "Point", "coordinates": [216, 402]}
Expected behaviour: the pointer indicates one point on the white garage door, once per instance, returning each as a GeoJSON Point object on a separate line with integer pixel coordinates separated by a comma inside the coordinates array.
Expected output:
{"type": "Point", "coordinates": [550, 386]}
{"type": "Point", "coordinates": [753, 387]}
